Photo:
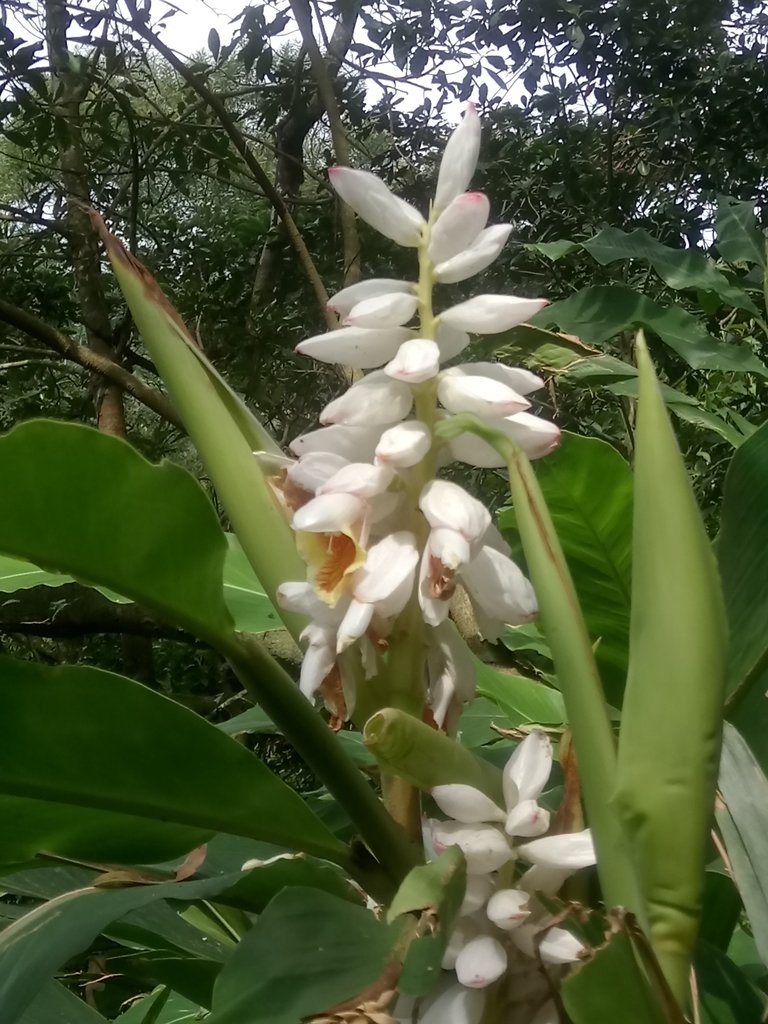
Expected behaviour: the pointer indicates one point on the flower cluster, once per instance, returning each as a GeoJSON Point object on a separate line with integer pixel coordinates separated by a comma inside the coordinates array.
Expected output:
{"type": "Point", "coordinates": [382, 536]}
{"type": "Point", "coordinates": [503, 928]}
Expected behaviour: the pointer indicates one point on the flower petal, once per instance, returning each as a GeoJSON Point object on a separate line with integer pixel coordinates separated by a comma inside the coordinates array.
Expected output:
{"type": "Point", "coordinates": [446, 504]}
{"type": "Point", "coordinates": [343, 302]}
{"type": "Point", "coordinates": [520, 380]}
{"type": "Point", "coordinates": [490, 314]}
{"type": "Point", "coordinates": [527, 819]}
{"type": "Point", "coordinates": [509, 908]}
{"type": "Point", "coordinates": [573, 851]}
{"type": "Point", "coordinates": [370, 198]}
{"type": "Point", "coordinates": [497, 585]}
{"type": "Point", "coordinates": [543, 879]}
{"type": "Point", "coordinates": [450, 341]}
{"type": "Point", "coordinates": [476, 893]}
{"type": "Point", "coordinates": [354, 624]}
{"type": "Point", "coordinates": [466, 804]}
{"type": "Point", "coordinates": [360, 478]}
{"type": "Point", "coordinates": [404, 445]}
{"type": "Point", "coordinates": [485, 848]}
{"type": "Point", "coordinates": [450, 548]}
{"type": "Point", "coordinates": [435, 589]}
{"type": "Point", "coordinates": [461, 392]}
{"type": "Point", "coordinates": [537, 437]}
{"type": "Point", "coordinates": [459, 159]}
{"type": "Point", "coordinates": [319, 659]}
{"type": "Point", "coordinates": [464, 930]}
{"type": "Point", "coordinates": [417, 360]}
{"type": "Point", "coordinates": [482, 961]}
{"type": "Point", "coordinates": [362, 348]}
{"type": "Point", "coordinates": [355, 444]}
{"type": "Point", "coordinates": [530, 766]}
{"type": "Point", "coordinates": [483, 251]}
{"type": "Point", "coordinates": [329, 513]}
{"type": "Point", "coordinates": [560, 947]}
{"type": "Point", "coordinates": [302, 598]}
{"type": "Point", "coordinates": [389, 564]}
{"type": "Point", "coordinates": [458, 225]}
{"type": "Point", "coordinates": [453, 1005]}
{"type": "Point", "coordinates": [313, 469]}
{"type": "Point", "coordinates": [374, 399]}
{"type": "Point", "coordinates": [390, 310]}
{"type": "Point", "coordinates": [451, 672]}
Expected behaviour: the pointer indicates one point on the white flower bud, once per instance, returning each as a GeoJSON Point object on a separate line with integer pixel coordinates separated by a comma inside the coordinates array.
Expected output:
{"type": "Point", "coordinates": [452, 1005]}
{"type": "Point", "coordinates": [344, 301]}
{"type": "Point", "coordinates": [314, 468]}
{"type": "Point", "coordinates": [360, 478]}
{"type": "Point", "coordinates": [377, 398]}
{"type": "Point", "coordinates": [520, 380]}
{"type": "Point", "coordinates": [355, 444]}
{"type": "Point", "coordinates": [417, 360]}
{"type": "Point", "coordinates": [370, 198]}
{"type": "Point", "coordinates": [459, 159]}
{"type": "Point", "coordinates": [527, 819]}
{"type": "Point", "coordinates": [329, 513]}
{"type": "Point", "coordinates": [460, 392]}
{"type": "Point", "coordinates": [537, 437]}
{"type": "Point", "coordinates": [490, 314]}
{"type": "Point", "coordinates": [477, 257]}
{"type": "Point", "coordinates": [482, 961]}
{"type": "Point", "coordinates": [458, 225]}
{"type": "Point", "coordinates": [362, 348]}
{"type": "Point", "coordinates": [404, 445]}
{"type": "Point", "coordinates": [560, 947]}
{"type": "Point", "coordinates": [476, 893]}
{"type": "Point", "coordinates": [572, 851]}
{"type": "Point", "coordinates": [450, 341]}
{"type": "Point", "coordinates": [466, 804]}
{"type": "Point", "coordinates": [485, 848]}
{"type": "Point", "coordinates": [529, 767]}
{"type": "Point", "coordinates": [509, 908]}
{"type": "Point", "coordinates": [391, 310]}
{"type": "Point", "coordinates": [446, 504]}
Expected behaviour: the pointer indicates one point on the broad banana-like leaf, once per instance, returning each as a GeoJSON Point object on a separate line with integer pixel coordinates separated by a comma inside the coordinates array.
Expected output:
{"type": "Point", "coordinates": [224, 431]}
{"type": "Point", "coordinates": [669, 745]}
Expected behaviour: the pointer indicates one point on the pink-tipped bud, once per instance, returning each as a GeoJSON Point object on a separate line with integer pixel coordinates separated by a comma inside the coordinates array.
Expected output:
{"type": "Point", "coordinates": [481, 962]}
{"type": "Point", "coordinates": [466, 804]}
{"type": "Point", "coordinates": [417, 360]}
{"type": "Point", "coordinates": [458, 226]}
{"type": "Point", "coordinates": [361, 348]}
{"type": "Point", "coordinates": [447, 504]}
{"type": "Point", "coordinates": [509, 908]}
{"type": "Point", "coordinates": [482, 395]}
{"type": "Point", "coordinates": [527, 819]}
{"type": "Point", "coordinates": [571, 851]}
{"type": "Point", "coordinates": [560, 947]}
{"type": "Point", "coordinates": [344, 301]}
{"type": "Point", "coordinates": [404, 445]}
{"type": "Point", "coordinates": [529, 767]}
{"type": "Point", "coordinates": [375, 399]}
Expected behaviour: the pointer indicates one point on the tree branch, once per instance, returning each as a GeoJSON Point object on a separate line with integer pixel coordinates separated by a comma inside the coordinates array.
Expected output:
{"type": "Point", "coordinates": [36, 328]}
{"type": "Point", "coordinates": [218, 106]}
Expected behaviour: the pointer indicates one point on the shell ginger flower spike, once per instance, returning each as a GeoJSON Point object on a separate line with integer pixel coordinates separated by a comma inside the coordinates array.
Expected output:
{"type": "Point", "coordinates": [382, 536]}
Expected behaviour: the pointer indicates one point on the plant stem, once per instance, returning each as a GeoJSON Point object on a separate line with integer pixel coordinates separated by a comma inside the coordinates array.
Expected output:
{"type": "Point", "coordinates": [267, 683]}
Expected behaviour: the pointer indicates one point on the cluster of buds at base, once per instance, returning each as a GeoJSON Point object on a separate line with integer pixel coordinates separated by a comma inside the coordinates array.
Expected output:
{"type": "Point", "coordinates": [504, 940]}
{"type": "Point", "coordinates": [385, 540]}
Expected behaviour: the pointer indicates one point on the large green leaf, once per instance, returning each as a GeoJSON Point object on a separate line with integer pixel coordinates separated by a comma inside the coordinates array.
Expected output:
{"type": "Point", "coordinates": [34, 946]}
{"type": "Point", "coordinates": [726, 995]}
{"type": "Point", "coordinates": [55, 1004]}
{"type": "Point", "coordinates": [588, 489]}
{"type": "Point", "coordinates": [679, 268]}
{"type": "Point", "coordinates": [87, 504]}
{"type": "Point", "coordinates": [111, 769]}
{"type": "Point", "coordinates": [161, 1007]}
{"type": "Point", "coordinates": [743, 821]}
{"type": "Point", "coordinates": [742, 551]}
{"type": "Point", "coordinates": [601, 312]}
{"type": "Point", "coordinates": [669, 744]}
{"type": "Point", "coordinates": [523, 701]}
{"type": "Point", "coordinates": [18, 574]}
{"type": "Point", "coordinates": [739, 240]}
{"type": "Point", "coordinates": [306, 953]}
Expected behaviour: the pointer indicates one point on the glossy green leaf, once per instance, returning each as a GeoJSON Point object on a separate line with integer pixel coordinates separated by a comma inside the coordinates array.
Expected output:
{"type": "Point", "coordinates": [162, 1007]}
{"type": "Point", "coordinates": [598, 313]}
{"type": "Point", "coordinates": [33, 947]}
{"type": "Point", "coordinates": [743, 822]}
{"type": "Point", "coordinates": [612, 987]}
{"type": "Point", "coordinates": [588, 489]}
{"type": "Point", "coordinates": [726, 995]}
{"type": "Point", "coordinates": [678, 268]}
{"type": "Point", "coordinates": [171, 557]}
{"type": "Point", "coordinates": [739, 240]}
{"type": "Point", "coordinates": [554, 250]}
{"type": "Point", "coordinates": [669, 744]}
{"type": "Point", "coordinates": [312, 952]}
{"type": "Point", "coordinates": [107, 747]}
{"type": "Point", "coordinates": [435, 890]}
{"type": "Point", "coordinates": [742, 552]}
{"type": "Point", "coordinates": [18, 574]}
{"type": "Point", "coordinates": [523, 701]}
{"type": "Point", "coordinates": [55, 1004]}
